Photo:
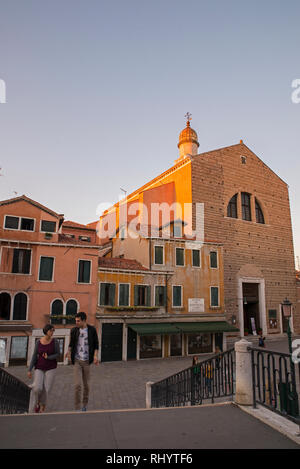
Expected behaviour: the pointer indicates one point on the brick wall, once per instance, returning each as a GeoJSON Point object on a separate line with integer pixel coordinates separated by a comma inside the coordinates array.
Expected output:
{"type": "Point", "coordinates": [250, 249]}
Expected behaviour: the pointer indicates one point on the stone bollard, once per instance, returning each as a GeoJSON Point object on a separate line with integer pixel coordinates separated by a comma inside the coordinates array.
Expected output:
{"type": "Point", "coordinates": [244, 391]}
{"type": "Point", "coordinates": [148, 394]}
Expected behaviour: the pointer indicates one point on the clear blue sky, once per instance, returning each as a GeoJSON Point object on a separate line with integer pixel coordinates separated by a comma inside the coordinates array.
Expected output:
{"type": "Point", "coordinates": [97, 92]}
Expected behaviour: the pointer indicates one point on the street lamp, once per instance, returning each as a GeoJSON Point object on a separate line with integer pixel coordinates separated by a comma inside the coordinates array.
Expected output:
{"type": "Point", "coordinates": [286, 306]}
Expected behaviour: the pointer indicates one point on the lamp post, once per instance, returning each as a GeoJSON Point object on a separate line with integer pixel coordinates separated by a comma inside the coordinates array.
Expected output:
{"type": "Point", "coordinates": [293, 409]}
{"type": "Point", "coordinates": [287, 313]}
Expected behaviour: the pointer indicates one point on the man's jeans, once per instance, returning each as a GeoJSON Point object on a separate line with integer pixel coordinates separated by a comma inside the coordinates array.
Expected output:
{"type": "Point", "coordinates": [81, 376]}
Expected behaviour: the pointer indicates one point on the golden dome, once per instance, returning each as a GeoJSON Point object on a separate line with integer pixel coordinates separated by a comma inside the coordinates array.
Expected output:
{"type": "Point", "coordinates": [188, 135]}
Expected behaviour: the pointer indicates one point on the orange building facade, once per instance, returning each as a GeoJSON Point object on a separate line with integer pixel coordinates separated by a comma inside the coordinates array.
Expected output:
{"type": "Point", "coordinates": [46, 275]}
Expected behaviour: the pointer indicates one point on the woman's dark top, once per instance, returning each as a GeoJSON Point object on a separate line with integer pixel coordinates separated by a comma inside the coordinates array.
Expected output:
{"type": "Point", "coordinates": [39, 362]}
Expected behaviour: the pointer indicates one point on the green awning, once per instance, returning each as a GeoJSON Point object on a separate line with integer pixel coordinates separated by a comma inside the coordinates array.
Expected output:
{"type": "Point", "coordinates": [209, 326]}
{"type": "Point", "coordinates": [154, 328]}
{"type": "Point", "coordinates": [182, 327]}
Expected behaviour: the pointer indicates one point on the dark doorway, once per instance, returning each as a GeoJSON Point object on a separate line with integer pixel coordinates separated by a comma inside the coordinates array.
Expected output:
{"type": "Point", "coordinates": [251, 308]}
{"type": "Point", "coordinates": [219, 341]}
{"type": "Point", "coordinates": [112, 342]}
{"type": "Point", "coordinates": [131, 344]}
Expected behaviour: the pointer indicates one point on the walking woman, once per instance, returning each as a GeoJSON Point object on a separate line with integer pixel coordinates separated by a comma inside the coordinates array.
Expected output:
{"type": "Point", "coordinates": [44, 360]}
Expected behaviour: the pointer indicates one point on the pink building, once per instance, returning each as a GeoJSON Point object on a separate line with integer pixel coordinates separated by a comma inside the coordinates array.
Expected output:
{"type": "Point", "coordinates": [48, 272]}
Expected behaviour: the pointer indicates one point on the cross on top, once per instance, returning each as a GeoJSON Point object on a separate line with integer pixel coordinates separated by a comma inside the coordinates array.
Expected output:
{"type": "Point", "coordinates": [188, 116]}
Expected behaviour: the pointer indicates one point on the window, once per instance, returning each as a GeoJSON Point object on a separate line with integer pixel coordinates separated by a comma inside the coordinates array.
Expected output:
{"type": "Point", "coordinates": [177, 296]}
{"type": "Point", "coordinates": [232, 207]}
{"type": "Point", "coordinates": [5, 304]}
{"type": "Point", "coordinates": [107, 294]}
{"type": "Point", "coordinates": [213, 259]}
{"type": "Point", "coordinates": [20, 307]}
{"type": "Point", "coordinates": [142, 295]}
{"type": "Point", "coordinates": [180, 256]}
{"type": "Point", "coordinates": [11, 222]}
{"type": "Point", "coordinates": [57, 309]}
{"type": "Point", "coordinates": [158, 255]}
{"type": "Point", "coordinates": [21, 261]}
{"type": "Point", "coordinates": [150, 346]}
{"type": "Point", "coordinates": [46, 269]}
{"type": "Point", "coordinates": [85, 238]}
{"type": "Point", "coordinates": [214, 296]}
{"type": "Point", "coordinates": [258, 212]}
{"type": "Point", "coordinates": [48, 226]}
{"type": "Point", "coordinates": [177, 229]}
{"type": "Point", "coordinates": [246, 206]}
{"type": "Point", "coordinates": [84, 271]}
{"type": "Point", "coordinates": [27, 224]}
{"type": "Point", "coordinates": [71, 310]}
{"type": "Point", "coordinates": [160, 295]}
{"type": "Point", "coordinates": [123, 294]}
{"type": "Point", "coordinates": [196, 257]}
{"type": "Point", "coordinates": [199, 343]}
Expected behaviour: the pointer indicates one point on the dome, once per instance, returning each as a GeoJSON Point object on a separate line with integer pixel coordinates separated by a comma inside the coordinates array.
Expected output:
{"type": "Point", "coordinates": [188, 135]}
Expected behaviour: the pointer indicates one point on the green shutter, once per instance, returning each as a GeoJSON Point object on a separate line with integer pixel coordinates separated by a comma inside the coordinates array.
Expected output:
{"type": "Point", "coordinates": [176, 296]}
{"type": "Point", "coordinates": [124, 294]}
{"type": "Point", "coordinates": [102, 293]}
{"type": "Point", "coordinates": [112, 291]}
{"type": "Point", "coordinates": [148, 295]}
{"type": "Point", "coordinates": [213, 259]}
{"type": "Point", "coordinates": [214, 296]}
{"type": "Point", "coordinates": [46, 268]}
{"type": "Point", "coordinates": [196, 258]}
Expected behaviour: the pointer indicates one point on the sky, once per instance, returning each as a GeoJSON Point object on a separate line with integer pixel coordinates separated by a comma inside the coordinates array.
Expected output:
{"type": "Point", "coordinates": [97, 91]}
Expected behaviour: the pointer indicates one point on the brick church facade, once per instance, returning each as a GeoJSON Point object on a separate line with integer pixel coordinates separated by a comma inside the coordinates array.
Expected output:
{"type": "Point", "coordinates": [246, 209]}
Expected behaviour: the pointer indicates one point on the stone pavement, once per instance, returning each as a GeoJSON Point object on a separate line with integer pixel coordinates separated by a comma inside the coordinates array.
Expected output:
{"type": "Point", "coordinates": [219, 426]}
{"type": "Point", "coordinates": [118, 385]}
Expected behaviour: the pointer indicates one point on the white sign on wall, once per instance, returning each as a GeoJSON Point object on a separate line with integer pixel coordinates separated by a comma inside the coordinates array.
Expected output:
{"type": "Point", "coordinates": [196, 305]}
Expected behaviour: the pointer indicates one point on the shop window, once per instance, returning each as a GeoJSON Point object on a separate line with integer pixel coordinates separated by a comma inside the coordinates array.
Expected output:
{"type": "Point", "coordinates": [199, 343]}
{"type": "Point", "coordinates": [150, 346]}
{"type": "Point", "coordinates": [175, 345]}
{"type": "Point", "coordinates": [18, 350]}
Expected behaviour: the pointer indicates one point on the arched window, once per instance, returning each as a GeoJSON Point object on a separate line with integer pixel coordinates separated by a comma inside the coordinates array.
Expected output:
{"type": "Point", "coordinates": [259, 214]}
{"type": "Point", "coordinates": [246, 207]}
{"type": "Point", "coordinates": [57, 308]}
{"type": "Point", "coordinates": [20, 307]}
{"type": "Point", "coordinates": [5, 302]}
{"type": "Point", "coordinates": [232, 207]}
{"type": "Point", "coordinates": [71, 310]}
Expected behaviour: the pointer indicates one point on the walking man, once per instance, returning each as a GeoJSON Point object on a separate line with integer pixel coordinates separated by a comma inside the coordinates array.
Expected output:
{"type": "Point", "coordinates": [83, 350]}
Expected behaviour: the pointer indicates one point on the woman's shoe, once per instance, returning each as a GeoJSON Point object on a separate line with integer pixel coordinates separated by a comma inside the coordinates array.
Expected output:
{"type": "Point", "coordinates": [37, 409]}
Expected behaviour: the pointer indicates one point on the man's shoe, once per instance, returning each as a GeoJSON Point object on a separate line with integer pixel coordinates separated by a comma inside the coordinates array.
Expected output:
{"type": "Point", "coordinates": [37, 409]}
{"type": "Point", "coordinates": [83, 409]}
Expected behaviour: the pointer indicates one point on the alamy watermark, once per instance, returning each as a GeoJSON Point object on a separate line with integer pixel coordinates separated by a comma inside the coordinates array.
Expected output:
{"type": "Point", "coordinates": [136, 219]}
{"type": "Point", "coordinates": [2, 92]}
{"type": "Point", "coordinates": [295, 96]}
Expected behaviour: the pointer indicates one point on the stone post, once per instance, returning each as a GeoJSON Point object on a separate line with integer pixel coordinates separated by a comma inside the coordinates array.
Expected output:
{"type": "Point", "coordinates": [244, 391]}
{"type": "Point", "coordinates": [148, 394]}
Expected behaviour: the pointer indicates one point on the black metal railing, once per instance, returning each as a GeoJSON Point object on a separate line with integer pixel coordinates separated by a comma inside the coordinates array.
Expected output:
{"type": "Point", "coordinates": [211, 379]}
{"type": "Point", "coordinates": [275, 380]}
{"type": "Point", "coordinates": [14, 394]}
